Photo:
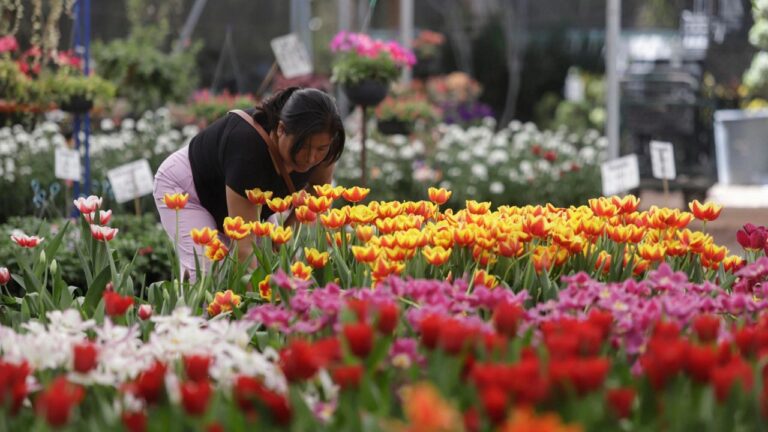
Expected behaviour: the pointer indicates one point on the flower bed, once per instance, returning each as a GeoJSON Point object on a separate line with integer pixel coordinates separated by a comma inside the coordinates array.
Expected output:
{"type": "Point", "coordinates": [397, 316]}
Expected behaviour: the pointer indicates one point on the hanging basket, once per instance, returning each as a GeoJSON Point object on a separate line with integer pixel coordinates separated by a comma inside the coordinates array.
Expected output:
{"type": "Point", "coordinates": [394, 127]}
{"type": "Point", "coordinates": [77, 105]}
{"type": "Point", "coordinates": [367, 92]}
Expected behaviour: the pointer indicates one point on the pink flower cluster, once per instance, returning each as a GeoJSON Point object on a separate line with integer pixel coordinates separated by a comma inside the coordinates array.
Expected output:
{"type": "Point", "coordinates": [363, 45]}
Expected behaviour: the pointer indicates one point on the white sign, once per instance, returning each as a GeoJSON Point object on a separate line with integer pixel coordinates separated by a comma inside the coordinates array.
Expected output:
{"type": "Point", "coordinates": [291, 55]}
{"type": "Point", "coordinates": [131, 180]}
{"type": "Point", "coordinates": [620, 175]}
{"type": "Point", "coordinates": [67, 164]}
{"type": "Point", "coordinates": [663, 160]}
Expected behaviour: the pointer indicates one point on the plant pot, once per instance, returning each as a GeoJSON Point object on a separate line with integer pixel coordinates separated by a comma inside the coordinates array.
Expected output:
{"type": "Point", "coordinates": [426, 67]}
{"type": "Point", "coordinates": [77, 105]}
{"type": "Point", "coordinates": [367, 92]}
{"type": "Point", "coordinates": [394, 127]}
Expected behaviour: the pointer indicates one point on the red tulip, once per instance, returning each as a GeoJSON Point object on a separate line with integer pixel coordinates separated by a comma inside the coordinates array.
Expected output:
{"type": "Point", "coordinates": [752, 237]}
{"type": "Point", "coordinates": [115, 304]}
{"type": "Point", "coordinates": [348, 377]}
{"type": "Point", "coordinates": [26, 241]}
{"type": "Point", "coordinates": [135, 421]}
{"type": "Point", "coordinates": [250, 391]}
{"type": "Point", "coordinates": [195, 397]}
{"type": "Point", "coordinates": [620, 401]}
{"type": "Point", "coordinates": [506, 317]}
{"type": "Point", "coordinates": [5, 276]}
{"type": "Point", "coordinates": [57, 401]}
{"type": "Point", "coordinates": [145, 312]}
{"type": "Point", "coordinates": [359, 336]}
{"type": "Point", "coordinates": [151, 382]}
{"type": "Point", "coordinates": [88, 205]}
{"type": "Point", "coordinates": [197, 367]}
{"type": "Point", "coordinates": [430, 330]}
{"type": "Point", "coordinates": [706, 327]}
{"type": "Point", "coordinates": [299, 361]}
{"type": "Point", "coordinates": [103, 233]}
{"type": "Point", "coordinates": [388, 314]}
{"type": "Point", "coordinates": [85, 356]}
{"type": "Point", "coordinates": [495, 403]}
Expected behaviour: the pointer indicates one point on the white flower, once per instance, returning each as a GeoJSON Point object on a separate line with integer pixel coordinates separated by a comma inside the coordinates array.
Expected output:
{"type": "Point", "coordinates": [480, 171]}
{"type": "Point", "coordinates": [107, 124]}
{"type": "Point", "coordinates": [497, 187]}
{"type": "Point", "coordinates": [128, 124]}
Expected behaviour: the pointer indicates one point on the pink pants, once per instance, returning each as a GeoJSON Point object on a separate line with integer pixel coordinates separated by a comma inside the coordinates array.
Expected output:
{"type": "Point", "coordinates": [175, 176]}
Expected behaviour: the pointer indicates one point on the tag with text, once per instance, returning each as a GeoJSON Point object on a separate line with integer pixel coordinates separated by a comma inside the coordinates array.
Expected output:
{"type": "Point", "coordinates": [67, 164]}
{"type": "Point", "coordinates": [132, 180]}
{"type": "Point", "coordinates": [663, 160]}
{"type": "Point", "coordinates": [620, 175]}
{"type": "Point", "coordinates": [291, 55]}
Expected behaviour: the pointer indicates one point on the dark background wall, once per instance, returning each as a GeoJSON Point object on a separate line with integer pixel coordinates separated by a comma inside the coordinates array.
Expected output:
{"type": "Point", "coordinates": [561, 33]}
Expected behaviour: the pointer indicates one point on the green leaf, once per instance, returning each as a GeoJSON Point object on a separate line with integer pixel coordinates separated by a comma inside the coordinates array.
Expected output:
{"type": "Point", "coordinates": [96, 289]}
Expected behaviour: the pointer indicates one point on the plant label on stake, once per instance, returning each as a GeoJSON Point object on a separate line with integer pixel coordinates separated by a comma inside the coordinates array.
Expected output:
{"type": "Point", "coordinates": [663, 162]}
{"type": "Point", "coordinates": [620, 175]}
{"type": "Point", "coordinates": [67, 164]}
{"type": "Point", "coordinates": [132, 180]}
{"type": "Point", "coordinates": [291, 55]}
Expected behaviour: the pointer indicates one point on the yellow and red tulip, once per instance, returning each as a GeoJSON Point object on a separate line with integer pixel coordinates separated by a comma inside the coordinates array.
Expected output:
{"type": "Point", "coordinates": [236, 228]}
{"type": "Point", "coordinates": [257, 196]}
{"type": "Point", "coordinates": [319, 204]}
{"type": "Point", "coordinates": [305, 215]}
{"type": "Point", "coordinates": [279, 205]}
{"type": "Point", "coordinates": [334, 219]}
{"type": "Point", "coordinates": [355, 194]}
{"type": "Point", "coordinates": [436, 255]}
{"type": "Point", "coordinates": [705, 212]}
{"type": "Point", "coordinates": [203, 236]}
{"type": "Point", "coordinates": [315, 258]}
{"type": "Point", "coordinates": [281, 235]}
{"type": "Point", "coordinates": [176, 201]}
{"type": "Point", "coordinates": [301, 270]}
{"type": "Point", "coordinates": [223, 302]}
{"type": "Point", "coordinates": [262, 229]}
{"type": "Point", "coordinates": [216, 250]}
{"type": "Point", "coordinates": [439, 196]}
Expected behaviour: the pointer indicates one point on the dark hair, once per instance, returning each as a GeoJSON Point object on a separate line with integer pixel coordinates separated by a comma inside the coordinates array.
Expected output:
{"type": "Point", "coordinates": [304, 112]}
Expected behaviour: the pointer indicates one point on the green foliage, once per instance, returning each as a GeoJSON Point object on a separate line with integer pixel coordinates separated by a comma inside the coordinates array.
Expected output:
{"type": "Point", "coordinates": [61, 88]}
{"type": "Point", "coordinates": [407, 108]}
{"type": "Point", "coordinates": [517, 165]}
{"type": "Point", "coordinates": [145, 75]}
{"type": "Point", "coordinates": [553, 112]}
{"type": "Point", "coordinates": [351, 68]}
{"type": "Point", "coordinates": [14, 85]}
{"type": "Point", "coordinates": [139, 236]}
{"type": "Point", "coordinates": [755, 78]}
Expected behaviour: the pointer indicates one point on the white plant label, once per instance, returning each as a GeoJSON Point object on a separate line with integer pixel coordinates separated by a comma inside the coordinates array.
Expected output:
{"type": "Point", "coordinates": [663, 160]}
{"type": "Point", "coordinates": [67, 164]}
{"type": "Point", "coordinates": [620, 175]}
{"type": "Point", "coordinates": [132, 180]}
{"type": "Point", "coordinates": [291, 55]}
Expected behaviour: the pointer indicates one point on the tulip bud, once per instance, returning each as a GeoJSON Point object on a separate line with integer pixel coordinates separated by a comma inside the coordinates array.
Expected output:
{"type": "Point", "coordinates": [54, 266]}
{"type": "Point", "coordinates": [109, 287]}
{"type": "Point", "coordinates": [42, 256]}
{"type": "Point", "coordinates": [145, 312]}
{"type": "Point", "coordinates": [5, 276]}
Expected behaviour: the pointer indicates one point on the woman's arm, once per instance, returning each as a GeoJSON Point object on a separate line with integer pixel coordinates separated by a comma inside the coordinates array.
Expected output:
{"type": "Point", "coordinates": [239, 206]}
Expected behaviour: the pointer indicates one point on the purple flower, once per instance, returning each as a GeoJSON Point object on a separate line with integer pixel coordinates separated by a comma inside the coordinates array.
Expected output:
{"type": "Point", "coordinates": [404, 353]}
{"type": "Point", "coordinates": [752, 237]}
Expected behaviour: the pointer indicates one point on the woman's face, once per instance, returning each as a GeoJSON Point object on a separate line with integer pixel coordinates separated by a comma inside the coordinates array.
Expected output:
{"type": "Point", "coordinates": [312, 153]}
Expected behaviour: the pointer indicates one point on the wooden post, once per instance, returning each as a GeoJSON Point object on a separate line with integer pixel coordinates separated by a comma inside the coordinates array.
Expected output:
{"type": "Point", "coordinates": [267, 79]}
{"type": "Point", "coordinates": [137, 206]}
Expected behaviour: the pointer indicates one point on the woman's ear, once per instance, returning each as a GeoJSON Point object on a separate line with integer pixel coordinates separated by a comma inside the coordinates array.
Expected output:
{"type": "Point", "coordinates": [280, 128]}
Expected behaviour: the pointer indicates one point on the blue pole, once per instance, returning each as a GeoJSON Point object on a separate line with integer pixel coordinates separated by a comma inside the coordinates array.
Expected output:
{"type": "Point", "coordinates": [82, 122]}
{"type": "Point", "coordinates": [87, 71]}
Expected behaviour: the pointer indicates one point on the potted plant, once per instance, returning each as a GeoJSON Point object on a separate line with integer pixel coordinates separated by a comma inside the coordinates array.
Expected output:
{"type": "Point", "coordinates": [365, 66]}
{"type": "Point", "coordinates": [397, 115]}
{"type": "Point", "coordinates": [427, 46]}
